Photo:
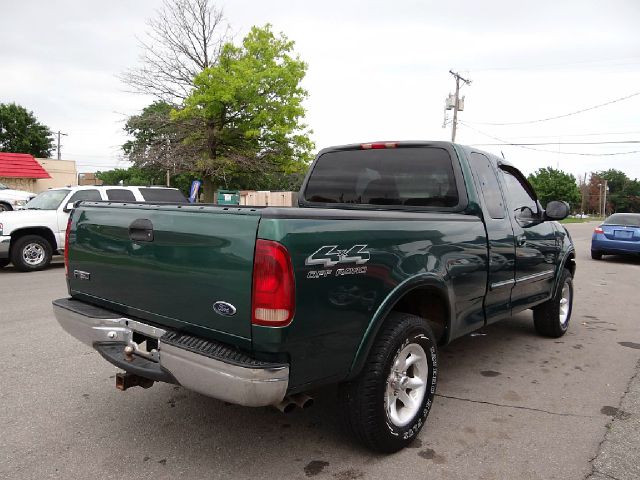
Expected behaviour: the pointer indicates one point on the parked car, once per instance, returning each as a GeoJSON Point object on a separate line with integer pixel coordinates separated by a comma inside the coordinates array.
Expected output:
{"type": "Point", "coordinates": [13, 199]}
{"type": "Point", "coordinates": [31, 236]}
{"type": "Point", "coordinates": [619, 234]}
{"type": "Point", "coordinates": [396, 248]}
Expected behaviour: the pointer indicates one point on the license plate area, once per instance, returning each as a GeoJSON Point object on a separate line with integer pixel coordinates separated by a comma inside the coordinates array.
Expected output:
{"type": "Point", "coordinates": [623, 234]}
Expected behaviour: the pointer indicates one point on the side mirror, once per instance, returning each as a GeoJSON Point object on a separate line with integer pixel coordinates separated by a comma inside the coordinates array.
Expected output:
{"type": "Point", "coordinates": [556, 210]}
{"type": "Point", "coordinates": [68, 208]}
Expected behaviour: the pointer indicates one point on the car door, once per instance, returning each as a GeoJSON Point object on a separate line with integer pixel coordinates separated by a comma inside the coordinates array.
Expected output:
{"type": "Point", "coordinates": [63, 212]}
{"type": "Point", "coordinates": [537, 246]}
{"type": "Point", "coordinates": [501, 241]}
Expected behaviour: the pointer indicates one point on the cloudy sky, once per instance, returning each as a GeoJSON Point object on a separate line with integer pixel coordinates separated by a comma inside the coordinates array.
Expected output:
{"type": "Point", "coordinates": [378, 70]}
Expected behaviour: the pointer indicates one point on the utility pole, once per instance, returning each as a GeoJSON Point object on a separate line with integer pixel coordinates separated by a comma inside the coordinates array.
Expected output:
{"type": "Point", "coordinates": [604, 202]}
{"type": "Point", "coordinates": [60, 133]}
{"type": "Point", "coordinates": [456, 104]}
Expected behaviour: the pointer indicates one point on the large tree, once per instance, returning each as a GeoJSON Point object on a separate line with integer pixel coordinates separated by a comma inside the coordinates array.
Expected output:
{"type": "Point", "coordinates": [623, 193]}
{"type": "Point", "coordinates": [551, 184]}
{"type": "Point", "coordinates": [20, 132]}
{"type": "Point", "coordinates": [184, 38]}
{"type": "Point", "coordinates": [248, 110]}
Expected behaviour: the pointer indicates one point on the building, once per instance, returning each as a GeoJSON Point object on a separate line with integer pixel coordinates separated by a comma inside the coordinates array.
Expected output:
{"type": "Point", "coordinates": [88, 179]}
{"type": "Point", "coordinates": [63, 173]}
{"type": "Point", "coordinates": [21, 171]}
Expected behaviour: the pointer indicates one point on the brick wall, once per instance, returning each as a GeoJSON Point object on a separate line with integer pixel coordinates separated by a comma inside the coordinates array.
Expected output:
{"type": "Point", "coordinates": [28, 184]}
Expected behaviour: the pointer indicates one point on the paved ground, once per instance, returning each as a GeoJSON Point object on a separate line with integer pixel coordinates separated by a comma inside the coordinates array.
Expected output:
{"type": "Point", "coordinates": [510, 405]}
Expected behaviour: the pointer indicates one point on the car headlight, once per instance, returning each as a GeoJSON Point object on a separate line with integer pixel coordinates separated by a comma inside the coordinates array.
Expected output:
{"type": "Point", "coordinates": [18, 203]}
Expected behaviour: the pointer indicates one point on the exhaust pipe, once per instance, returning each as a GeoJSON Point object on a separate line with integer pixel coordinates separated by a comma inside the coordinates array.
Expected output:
{"type": "Point", "coordinates": [302, 400]}
{"type": "Point", "coordinates": [286, 405]}
{"type": "Point", "coordinates": [125, 380]}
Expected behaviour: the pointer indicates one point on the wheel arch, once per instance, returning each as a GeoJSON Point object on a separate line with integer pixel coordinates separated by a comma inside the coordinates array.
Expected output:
{"type": "Point", "coordinates": [6, 204]}
{"type": "Point", "coordinates": [569, 262]}
{"type": "Point", "coordinates": [423, 296]}
{"type": "Point", "coordinates": [43, 232]}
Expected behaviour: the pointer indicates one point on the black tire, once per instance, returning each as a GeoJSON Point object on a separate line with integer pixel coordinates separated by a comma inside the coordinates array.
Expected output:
{"type": "Point", "coordinates": [596, 255]}
{"type": "Point", "coordinates": [550, 318]}
{"type": "Point", "coordinates": [364, 400]}
{"type": "Point", "coordinates": [30, 253]}
{"type": "Point", "coordinates": [4, 262]}
{"type": "Point", "coordinates": [5, 207]}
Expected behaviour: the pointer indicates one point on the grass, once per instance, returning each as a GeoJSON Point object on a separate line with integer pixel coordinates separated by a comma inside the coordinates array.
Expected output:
{"type": "Point", "coordinates": [581, 220]}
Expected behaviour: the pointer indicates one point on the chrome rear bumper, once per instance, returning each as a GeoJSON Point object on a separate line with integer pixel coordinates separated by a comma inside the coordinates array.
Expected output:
{"type": "Point", "coordinates": [229, 381]}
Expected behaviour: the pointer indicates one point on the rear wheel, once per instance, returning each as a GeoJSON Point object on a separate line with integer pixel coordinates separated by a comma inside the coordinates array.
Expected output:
{"type": "Point", "coordinates": [30, 253]}
{"type": "Point", "coordinates": [387, 405]}
{"type": "Point", "coordinates": [551, 318]}
{"type": "Point", "coordinates": [596, 255]}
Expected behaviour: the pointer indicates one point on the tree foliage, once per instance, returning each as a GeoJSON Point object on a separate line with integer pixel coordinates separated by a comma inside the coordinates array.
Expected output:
{"type": "Point", "coordinates": [20, 132]}
{"type": "Point", "coordinates": [551, 184]}
{"type": "Point", "coordinates": [184, 38]}
{"type": "Point", "coordinates": [623, 193]}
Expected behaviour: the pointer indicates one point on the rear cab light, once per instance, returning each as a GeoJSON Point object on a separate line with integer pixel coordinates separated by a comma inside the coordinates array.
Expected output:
{"type": "Point", "coordinates": [273, 293]}
{"type": "Point", "coordinates": [378, 145]}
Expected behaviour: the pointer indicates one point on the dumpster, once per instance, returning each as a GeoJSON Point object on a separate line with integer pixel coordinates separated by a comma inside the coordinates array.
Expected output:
{"type": "Point", "coordinates": [228, 197]}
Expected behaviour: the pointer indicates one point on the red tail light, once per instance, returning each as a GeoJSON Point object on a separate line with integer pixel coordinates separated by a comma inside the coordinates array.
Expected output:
{"type": "Point", "coordinates": [375, 146]}
{"type": "Point", "coordinates": [598, 230]}
{"type": "Point", "coordinates": [66, 248]}
{"type": "Point", "coordinates": [273, 302]}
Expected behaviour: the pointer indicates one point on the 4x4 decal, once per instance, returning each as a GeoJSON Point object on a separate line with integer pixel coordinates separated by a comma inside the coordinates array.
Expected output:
{"type": "Point", "coordinates": [331, 255]}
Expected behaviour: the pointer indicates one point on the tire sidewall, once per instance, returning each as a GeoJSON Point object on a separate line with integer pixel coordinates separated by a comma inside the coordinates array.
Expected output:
{"type": "Point", "coordinates": [566, 279]}
{"type": "Point", "coordinates": [17, 253]}
{"type": "Point", "coordinates": [422, 337]}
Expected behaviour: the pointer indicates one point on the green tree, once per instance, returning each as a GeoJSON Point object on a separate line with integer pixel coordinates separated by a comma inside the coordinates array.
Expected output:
{"type": "Point", "coordinates": [623, 194]}
{"type": "Point", "coordinates": [551, 184]}
{"type": "Point", "coordinates": [245, 114]}
{"type": "Point", "coordinates": [20, 132]}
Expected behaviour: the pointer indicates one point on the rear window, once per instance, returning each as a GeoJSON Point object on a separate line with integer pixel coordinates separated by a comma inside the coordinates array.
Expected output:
{"type": "Point", "coordinates": [162, 195]}
{"type": "Point", "coordinates": [623, 219]}
{"type": "Point", "coordinates": [409, 176]}
{"type": "Point", "coordinates": [120, 195]}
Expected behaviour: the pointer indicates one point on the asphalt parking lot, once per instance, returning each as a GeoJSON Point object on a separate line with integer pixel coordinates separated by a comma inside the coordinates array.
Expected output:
{"type": "Point", "coordinates": [510, 404]}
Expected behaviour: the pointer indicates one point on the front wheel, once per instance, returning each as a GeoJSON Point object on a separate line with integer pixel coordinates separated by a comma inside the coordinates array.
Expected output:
{"type": "Point", "coordinates": [551, 318]}
{"type": "Point", "coordinates": [30, 253]}
{"type": "Point", "coordinates": [5, 208]}
{"type": "Point", "coordinates": [387, 405]}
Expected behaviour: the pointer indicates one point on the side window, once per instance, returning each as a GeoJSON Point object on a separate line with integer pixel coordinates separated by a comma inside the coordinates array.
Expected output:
{"type": "Point", "coordinates": [489, 185]}
{"type": "Point", "coordinates": [517, 195]}
{"type": "Point", "coordinates": [120, 195]}
{"type": "Point", "coordinates": [91, 195]}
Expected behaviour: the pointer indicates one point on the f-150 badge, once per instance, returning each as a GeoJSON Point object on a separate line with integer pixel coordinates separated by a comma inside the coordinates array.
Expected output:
{"type": "Point", "coordinates": [331, 255]}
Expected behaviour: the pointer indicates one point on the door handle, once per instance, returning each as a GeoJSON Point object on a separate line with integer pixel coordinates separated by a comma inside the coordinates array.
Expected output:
{"type": "Point", "coordinates": [521, 240]}
{"type": "Point", "coordinates": [141, 230]}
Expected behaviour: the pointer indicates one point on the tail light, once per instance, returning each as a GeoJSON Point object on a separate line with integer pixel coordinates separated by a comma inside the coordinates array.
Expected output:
{"type": "Point", "coordinates": [598, 230]}
{"type": "Point", "coordinates": [273, 301]}
{"type": "Point", "coordinates": [66, 248]}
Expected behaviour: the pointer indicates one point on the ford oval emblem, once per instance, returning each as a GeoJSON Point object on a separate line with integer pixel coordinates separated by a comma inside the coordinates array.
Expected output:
{"type": "Point", "coordinates": [224, 308]}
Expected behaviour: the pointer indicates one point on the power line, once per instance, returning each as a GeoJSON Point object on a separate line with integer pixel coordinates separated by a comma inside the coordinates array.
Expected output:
{"type": "Point", "coordinates": [563, 64]}
{"type": "Point", "coordinates": [518, 144]}
{"type": "Point", "coordinates": [560, 116]}
{"type": "Point", "coordinates": [504, 142]}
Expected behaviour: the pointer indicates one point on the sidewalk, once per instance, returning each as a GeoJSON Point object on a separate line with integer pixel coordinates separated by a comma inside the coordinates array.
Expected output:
{"type": "Point", "coordinates": [619, 455]}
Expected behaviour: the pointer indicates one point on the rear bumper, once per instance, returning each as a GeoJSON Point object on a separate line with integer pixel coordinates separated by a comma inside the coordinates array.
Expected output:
{"type": "Point", "coordinates": [614, 246]}
{"type": "Point", "coordinates": [5, 241]}
{"type": "Point", "coordinates": [219, 372]}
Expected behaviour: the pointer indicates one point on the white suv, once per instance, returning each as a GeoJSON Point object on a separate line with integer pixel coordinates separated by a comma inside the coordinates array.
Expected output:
{"type": "Point", "coordinates": [13, 199]}
{"type": "Point", "coordinates": [31, 236]}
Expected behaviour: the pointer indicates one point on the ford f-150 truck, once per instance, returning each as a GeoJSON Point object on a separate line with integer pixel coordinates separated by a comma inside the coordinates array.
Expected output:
{"type": "Point", "coordinates": [396, 248]}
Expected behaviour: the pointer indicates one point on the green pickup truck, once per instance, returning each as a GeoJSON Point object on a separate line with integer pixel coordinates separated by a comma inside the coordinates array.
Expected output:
{"type": "Point", "coordinates": [395, 249]}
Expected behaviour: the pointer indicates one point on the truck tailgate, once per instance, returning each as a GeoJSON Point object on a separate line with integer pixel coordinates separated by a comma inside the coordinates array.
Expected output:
{"type": "Point", "coordinates": [167, 264]}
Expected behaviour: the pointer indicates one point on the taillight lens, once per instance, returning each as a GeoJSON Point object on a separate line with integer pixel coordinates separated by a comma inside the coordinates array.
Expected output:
{"type": "Point", "coordinates": [378, 145]}
{"type": "Point", "coordinates": [66, 248]}
{"type": "Point", "coordinates": [273, 301]}
{"type": "Point", "coordinates": [598, 230]}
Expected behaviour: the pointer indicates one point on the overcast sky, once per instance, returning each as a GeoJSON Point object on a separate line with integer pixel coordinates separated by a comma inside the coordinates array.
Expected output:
{"type": "Point", "coordinates": [378, 70]}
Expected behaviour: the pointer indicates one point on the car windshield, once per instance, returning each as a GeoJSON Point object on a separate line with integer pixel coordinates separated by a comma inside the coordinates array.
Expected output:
{"type": "Point", "coordinates": [3, 187]}
{"type": "Point", "coordinates": [632, 219]}
{"type": "Point", "coordinates": [49, 200]}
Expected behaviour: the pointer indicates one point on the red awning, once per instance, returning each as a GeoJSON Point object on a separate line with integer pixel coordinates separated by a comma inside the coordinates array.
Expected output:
{"type": "Point", "coordinates": [21, 165]}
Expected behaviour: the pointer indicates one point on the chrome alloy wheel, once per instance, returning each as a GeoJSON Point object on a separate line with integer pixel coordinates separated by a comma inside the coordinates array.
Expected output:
{"type": "Point", "coordinates": [565, 304]}
{"type": "Point", "coordinates": [406, 385]}
{"type": "Point", "coordinates": [33, 254]}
